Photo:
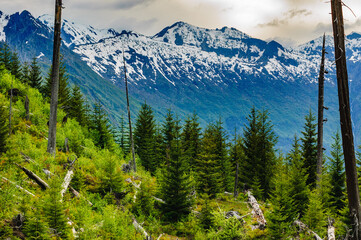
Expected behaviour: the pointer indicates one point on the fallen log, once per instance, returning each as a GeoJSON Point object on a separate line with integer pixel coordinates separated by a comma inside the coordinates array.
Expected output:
{"type": "Point", "coordinates": [19, 187]}
{"type": "Point", "coordinates": [303, 227]}
{"type": "Point", "coordinates": [35, 177]}
{"type": "Point", "coordinates": [158, 199]}
{"type": "Point", "coordinates": [256, 210]}
{"type": "Point", "coordinates": [139, 228]}
{"type": "Point", "coordinates": [78, 195]}
{"type": "Point", "coordinates": [331, 229]}
{"type": "Point", "coordinates": [27, 158]}
{"type": "Point", "coordinates": [160, 236]}
{"type": "Point", "coordinates": [67, 179]}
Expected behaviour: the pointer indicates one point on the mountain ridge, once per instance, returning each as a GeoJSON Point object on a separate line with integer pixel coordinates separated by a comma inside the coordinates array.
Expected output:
{"type": "Point", "coordinates": [215, 72]}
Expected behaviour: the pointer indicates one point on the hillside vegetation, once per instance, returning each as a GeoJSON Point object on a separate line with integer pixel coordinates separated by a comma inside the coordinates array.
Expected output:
{"type": "Point", "coordinates": [184, 178]}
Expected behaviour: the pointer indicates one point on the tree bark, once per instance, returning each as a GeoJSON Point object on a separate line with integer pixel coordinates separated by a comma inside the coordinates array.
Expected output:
{"type": "Point", "coordinates": [27, 111]}
{"type": "Point", "coordinates": [321, 80]}
{"type": "Point", "coordinates": [345, 118]}
{"type": "Point", "coordinates": [66, 145]}
{"type": "Point", "coordinates": [35, 177]}
{"type": "Point", "coordinates": [331, 230]}
{"type": "Point", "coordinates": [257, 212]}
{"type": "Point", "coordinates": [140, 229]}
{"type": "Point", "coordinates": [236, 181]}
{"type": "Point", "coordinates": [128, 108]}
{"type": "Point", "coordinates": [55, 79]}
{"type": "Point", "coordinates": [78, 195]}
{"type": "Point", "coordinates": [67, 179]}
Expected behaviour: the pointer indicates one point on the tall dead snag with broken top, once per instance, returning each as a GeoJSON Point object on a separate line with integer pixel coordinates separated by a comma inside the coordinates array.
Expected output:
{"type": "Point", "coordinates": [345, 118]}
{"type": "Point", "coordinates": [321, 80]}
{"type": "Point", "coordinates": [130, 123]}
{"type": "Point", "coordinates": [55, 79]}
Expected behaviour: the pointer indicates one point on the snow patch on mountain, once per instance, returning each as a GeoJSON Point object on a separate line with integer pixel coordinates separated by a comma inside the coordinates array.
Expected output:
{"type": "Point", "coordinates": [77, 34]}
{"type": "Point", "coordinates": [4, 20]}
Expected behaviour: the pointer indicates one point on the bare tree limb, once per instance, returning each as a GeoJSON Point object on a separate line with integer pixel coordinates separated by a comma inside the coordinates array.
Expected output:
{"type": "Point", "coordinates": [139, 228]}
{"type": "Point", "coordinates": [303, 227]}
{"type": "Point", "coordinates": [19, 187]}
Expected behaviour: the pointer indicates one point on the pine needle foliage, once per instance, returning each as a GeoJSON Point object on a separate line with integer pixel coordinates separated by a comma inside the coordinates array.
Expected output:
{"type": "Point", "coordinates": [175, 182]}
{"type": "Point", "coordinates": [144, 138]}
{"type": "Point", "coordinates": [259, 142]}
{"type": "Point", "coordinates": [337, 174]}
{"type": "Point", "coordinates": [309, 149]}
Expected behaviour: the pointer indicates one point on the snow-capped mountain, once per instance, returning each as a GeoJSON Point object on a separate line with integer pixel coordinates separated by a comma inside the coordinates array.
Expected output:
{"type": "Point", "coordinates": [216, 72]}
{"type": "Point", "coordinates": [76, 34]}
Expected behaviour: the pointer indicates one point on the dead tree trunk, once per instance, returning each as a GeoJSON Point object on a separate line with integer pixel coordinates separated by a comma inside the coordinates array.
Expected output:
{"type": "Point", "coordinates": [35, 177]}
{"type": "Point", "coordinates": [27, 111]}
{"type": "Point", "coordinates": [66, 145]}
{"type": "Point", "coordinates": [67, 179]}
{"type": "Point", "coordinates": [236, 181]}
{"type": "Point", "coordinates": [139, 228]}
{"type": "Point", "coordinates": [345, 118]}
{"type": "Point", "coordinates": [257, 212]}
{"type": "Point", "coordinates": [55, 79]}
{"type": "Point", "coordinates": [321, 80]}
{"type": "Point", "coordinates": [331, 229]}
{"type": "Point", "coordinates": [130, 123]}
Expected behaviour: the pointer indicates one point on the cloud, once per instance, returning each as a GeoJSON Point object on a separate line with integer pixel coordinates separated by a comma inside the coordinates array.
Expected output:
{"type": "Point", "coordinates": [110, 4]}
{"type": "Point", "coordinates": [297, 12]}
{"type": "Point", "coordinates": [287, 17]}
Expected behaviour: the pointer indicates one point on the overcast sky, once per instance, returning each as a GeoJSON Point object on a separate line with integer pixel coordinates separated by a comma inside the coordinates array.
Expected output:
{"type": "Point", "coordinates": [292, 20]}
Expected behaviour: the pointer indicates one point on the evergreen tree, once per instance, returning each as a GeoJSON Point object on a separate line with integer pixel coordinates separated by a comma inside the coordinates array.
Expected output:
{"type": "Point", "coordinates": [337, 174]}
{"type": "Point", "coordinates": [15, 67]}
{"type": "Point", "coordinates": [168, 129]}
{"type": "Point", "coordinates": [55, 211]}
{"type": "Point", "coordinates": [35, 78]}
{"type": "Point", "coordinates": [191, 140]}
{"type": "Point", "coordinates": [259, 141]}
{"type": "Point", "coordinates": [309, 149]}
{"type": "Point", "coordinates": [25, 73]}
{"type": "Point", "coordinates": [5, 56]}
{"type": "Point", "coordinates": [175, 182]}
{"type": "Point", "coordinates": [100, 127]}
{"type": "Point", "coordinates": [76, 106]}
{"type": "Point", "coordinates": [236, 156]}
{"type": "Point", "coordinates": [144, 135]}
{"type": "Point", "coordinates": [4, 129]}
{"type": "Point", "coordinates": [208, 168]}
{"type": "Point", "coordinates": [35, 226]}
{"type": "Point", "coordinates": [111, 179]}
{"type": "Point", "coordinates": [297, 178]}
{"type": "Point", "coordinates": [282, 215]}
{"type": "Point", "coordinates": [206, 218]}
{"type": "Point", "coordinates": [221, 151]}
{"type": "Point", "coordinates": [315, 216]}
{"type": "Point", "coordinates": [64, 92]}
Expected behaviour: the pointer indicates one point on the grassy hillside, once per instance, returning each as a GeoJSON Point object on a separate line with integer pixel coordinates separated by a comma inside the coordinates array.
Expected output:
{"type": "Point", "coordinates": [99, 179]}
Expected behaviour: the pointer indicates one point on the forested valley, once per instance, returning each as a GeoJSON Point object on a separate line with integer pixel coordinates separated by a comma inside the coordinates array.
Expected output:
{"type": "Point", "coordinates": [67, 172]}
{"type": "Point", "coordinates": [190, 183]}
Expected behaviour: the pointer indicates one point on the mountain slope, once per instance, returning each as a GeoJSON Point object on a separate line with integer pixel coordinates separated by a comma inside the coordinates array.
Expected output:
{"type": "Point", "coordinates": [215, 72]}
